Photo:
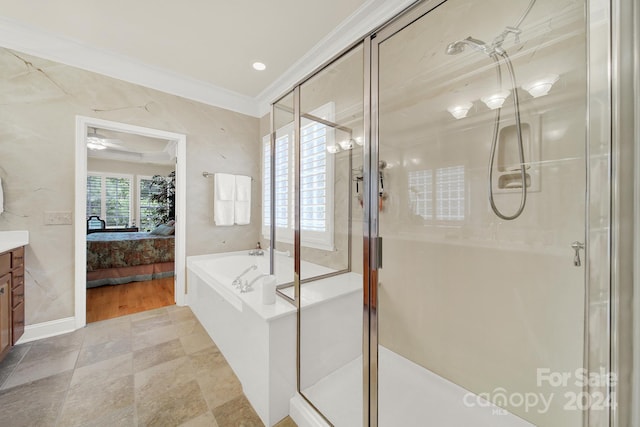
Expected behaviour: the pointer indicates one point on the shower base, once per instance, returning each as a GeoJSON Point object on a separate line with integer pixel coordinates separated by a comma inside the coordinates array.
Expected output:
{"type": "Point", "coordinates": [409, 396]}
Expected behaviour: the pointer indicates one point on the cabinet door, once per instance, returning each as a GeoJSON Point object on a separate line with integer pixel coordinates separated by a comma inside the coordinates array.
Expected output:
{"type": "Point", "coordinates": [5, 312]}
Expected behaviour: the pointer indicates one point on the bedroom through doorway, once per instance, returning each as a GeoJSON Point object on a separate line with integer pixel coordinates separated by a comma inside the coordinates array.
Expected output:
{"type": "Point", "coordinates": [131, 209]}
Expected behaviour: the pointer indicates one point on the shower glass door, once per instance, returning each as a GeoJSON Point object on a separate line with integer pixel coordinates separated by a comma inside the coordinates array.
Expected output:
{"type": "Point", "coordinates": [329, 153]}
{"type": "Point", "coordinates": [480, 110]}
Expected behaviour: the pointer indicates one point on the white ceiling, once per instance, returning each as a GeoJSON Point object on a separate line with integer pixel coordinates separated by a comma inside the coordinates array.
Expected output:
{"type": "Point", "coordinates": [200, 49]}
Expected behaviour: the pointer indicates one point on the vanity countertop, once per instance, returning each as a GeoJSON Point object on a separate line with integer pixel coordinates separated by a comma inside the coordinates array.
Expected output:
{"type": "Point", "coordinates": [13, 239]}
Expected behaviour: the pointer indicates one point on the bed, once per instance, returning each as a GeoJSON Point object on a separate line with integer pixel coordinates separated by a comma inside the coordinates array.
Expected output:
{"type": "Point", "coordinates": [114, 258]}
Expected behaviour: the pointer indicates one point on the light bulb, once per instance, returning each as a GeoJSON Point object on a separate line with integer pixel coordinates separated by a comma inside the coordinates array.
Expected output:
{"type": "Point", "coordinates": [333, 149]}
{"type": "Point", "coordinates": [541, 86]}
{"type": "Point", "coordinates": [346, 144]}
{"type": "Point", "coordinates": [460, 111]}
{"type": "Point", "coordinates": [496, 100]}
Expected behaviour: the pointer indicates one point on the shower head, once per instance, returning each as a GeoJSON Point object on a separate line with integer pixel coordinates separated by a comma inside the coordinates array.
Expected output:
{"type": "Point", "coordinates": [456, 47]}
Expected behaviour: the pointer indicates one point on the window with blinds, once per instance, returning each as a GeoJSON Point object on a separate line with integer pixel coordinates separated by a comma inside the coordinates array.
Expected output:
{"type": "Point", "coordinates": [109, 197]}
{"type": "Point", "coordinates": [316, 183]}
{"type": "Point", "coordinates": [147, 208]}
{"type": "Point", "coordinates": [439, 196]}
{"type": "Point", "coordinates": [450, 193]}
{"type": "Point", "coordinates": [421, 193]}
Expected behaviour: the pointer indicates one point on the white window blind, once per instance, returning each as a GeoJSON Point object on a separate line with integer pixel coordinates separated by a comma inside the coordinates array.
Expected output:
{"type": "Point", "coordinates": [94, 195]}
{"type": "Point", "coordinates": [421, 193]}
{"type": "Point", "coordinates": [316, 183]}
{"type": "Point", "coordinates": [450, 193]}
{"type": "Point", "coordinates": [313, 177]}
{"type": "Point", "coordinates": [113, 193]}
{"type": "Point", "coordinates": [439, 196]}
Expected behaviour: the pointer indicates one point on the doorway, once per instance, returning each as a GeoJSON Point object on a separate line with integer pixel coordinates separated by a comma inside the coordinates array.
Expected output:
{"type": "Point", "coordinates": [132, 168]}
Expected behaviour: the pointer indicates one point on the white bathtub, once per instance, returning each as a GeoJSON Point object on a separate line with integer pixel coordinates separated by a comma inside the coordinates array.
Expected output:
{"type": "Point", "coordinates": [259, 341]}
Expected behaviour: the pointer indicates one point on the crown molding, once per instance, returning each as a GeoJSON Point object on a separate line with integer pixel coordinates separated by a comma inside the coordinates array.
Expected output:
{"type": "Point", "coordinates": [19, 37]}
{"type": "Point", "coordinates": [367, 18]}
{"type": "Point", "coordinates": [32, 41]}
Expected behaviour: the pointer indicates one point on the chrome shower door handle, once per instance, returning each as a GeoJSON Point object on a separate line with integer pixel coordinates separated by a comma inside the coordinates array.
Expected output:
{"type": "Point", "coordinates": [576, 247]}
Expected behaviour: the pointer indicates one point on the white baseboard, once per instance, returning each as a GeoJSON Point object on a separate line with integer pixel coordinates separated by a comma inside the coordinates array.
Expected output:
{"type": "Point", "coordinates": [47, 329]}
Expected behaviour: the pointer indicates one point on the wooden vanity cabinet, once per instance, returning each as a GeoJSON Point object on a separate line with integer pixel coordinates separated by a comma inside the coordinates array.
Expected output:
{"type": "Point", "coordinates": [11, 298]}
{"type": "Point", "coordinates": [5, 314]}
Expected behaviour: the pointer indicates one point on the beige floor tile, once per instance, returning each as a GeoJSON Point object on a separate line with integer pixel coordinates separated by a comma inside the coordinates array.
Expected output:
{"type": "Point", "coordinates": [188, 327]}
{"type": "Point", "coordinates": [287, 422]}
{"type": "Point", "coordinates": [122, 417]}
{"type": "Point", "coordinates": [107, 330]}
{"type": "Point", "coordinates": [149, 323]}
{"type": "Point", "coordinates": [157, 354]}
{"type": "Point", "coordinates": [43, 349]}
{"type": "Point", "coordinates": [208, 359]}
{"type": "Point", "coordinates": [86, 402]}
{"type": "Point", "coordinates": [11, 360]}
{"type": "Point", "coordinates": [104, 351]}
{"type": "Point", "coordinates": [159, 379]}
{"type": "Point", "coordinates": [154, 336]}
{"type": "Point", "coordinates": [181, 313]}
{"type": "Point", "coordinates": [147, 314]}
{"type": "Point", "coordinates": [101, 372]}
{"type": "Point", "coordinates": [197, 341]}
{"type": "Point", "coordinates": [32, 370]}
{"type": "Point", "coordinates": [177, 406]}
{"type": "Point", "coordinates": [237, 413]}
{"type": "Point", "coordinates": [34, 404]}
{"type": "Point", "coordinates": [205, 420]}
{"type": "Point", "coordinates": [219, 386]}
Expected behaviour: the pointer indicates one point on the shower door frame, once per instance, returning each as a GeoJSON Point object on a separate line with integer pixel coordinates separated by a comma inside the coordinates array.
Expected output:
{"type": "Point", "coordinates": [610, 265]}
{"type": "Point", "coordinates": [600, 344]}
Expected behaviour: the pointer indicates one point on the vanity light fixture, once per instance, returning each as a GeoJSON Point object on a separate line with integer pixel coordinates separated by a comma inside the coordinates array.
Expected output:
{"type": "Point", "coordinates": [259, 66]}
{"type": "Point", "coordinates": [347, 144]}
{"type": "Point", "coordinates": [359, 141]}
{"type": "Point", "coordinates": [460, 111]}
{"type": "Point", "coordinates": [333, 149]}
{"type": "Point", "coordinates": [496, 100]}
{"type": "Point", "coordinates": [541, 86]}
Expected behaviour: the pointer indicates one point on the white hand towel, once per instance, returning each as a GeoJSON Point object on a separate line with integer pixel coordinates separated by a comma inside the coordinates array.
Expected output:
{"type": "Point", "coordinates": [224, 198]}
{"type": "Point", "coordinates": [243, 188]}
{"type": "Point", "coordinates": [242, 209]}
{"type": "Point", "coordinates": [1, 198]}
{"type": "Point", "coordinates": [225, 186]}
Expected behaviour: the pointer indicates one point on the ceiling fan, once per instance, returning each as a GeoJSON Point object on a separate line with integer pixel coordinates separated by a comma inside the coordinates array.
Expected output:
{"type": "Point", "coordinates": [96, 141]}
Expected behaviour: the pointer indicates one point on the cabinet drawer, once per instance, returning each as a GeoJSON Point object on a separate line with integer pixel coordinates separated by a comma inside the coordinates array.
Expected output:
{"type": "Point", "coordinates": [5, 262]}
{"type": "Point", "coordinates": [17, 295]}
{"type": "Point", "coordinates": [17, 257]}
{"type": "Point", "coordinates": [17, 278]}
{"type": "Point", "coordinates": [18, 322]}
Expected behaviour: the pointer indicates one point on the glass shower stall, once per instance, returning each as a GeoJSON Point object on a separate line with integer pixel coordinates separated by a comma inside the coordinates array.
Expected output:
{"type": "Point", "coordinates": [444, 188]}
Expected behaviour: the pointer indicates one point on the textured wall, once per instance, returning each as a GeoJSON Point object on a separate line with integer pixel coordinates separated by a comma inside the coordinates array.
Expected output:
{"type": "Point", "coordinates": [39, 101]}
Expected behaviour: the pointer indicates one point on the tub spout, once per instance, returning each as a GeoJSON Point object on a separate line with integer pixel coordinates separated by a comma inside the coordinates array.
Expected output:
{"type": "Point", "coordinates": [248, 286]}
{"type": "Point", "coordinates": [237, 282]}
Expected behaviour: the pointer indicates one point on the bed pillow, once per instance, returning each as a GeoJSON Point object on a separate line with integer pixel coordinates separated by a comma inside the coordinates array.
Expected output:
{"type": "Point", "coordinates": [163, 230]}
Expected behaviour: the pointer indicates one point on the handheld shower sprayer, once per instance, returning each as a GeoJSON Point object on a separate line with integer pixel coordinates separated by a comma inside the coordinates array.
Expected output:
{"type": "Point", "coordinates": [497, 53]}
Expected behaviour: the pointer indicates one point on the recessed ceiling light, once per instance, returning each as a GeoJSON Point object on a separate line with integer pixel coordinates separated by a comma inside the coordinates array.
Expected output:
{"type": "Point", "coordinates": [259, 66]}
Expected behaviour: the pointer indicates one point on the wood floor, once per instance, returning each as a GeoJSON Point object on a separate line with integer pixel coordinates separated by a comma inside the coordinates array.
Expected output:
{"type": "Point", "coordinates": [106, 302]}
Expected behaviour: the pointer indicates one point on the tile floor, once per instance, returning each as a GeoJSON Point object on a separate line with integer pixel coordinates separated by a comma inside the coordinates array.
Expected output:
{"type": "Point", "coordinates": [156, 368]}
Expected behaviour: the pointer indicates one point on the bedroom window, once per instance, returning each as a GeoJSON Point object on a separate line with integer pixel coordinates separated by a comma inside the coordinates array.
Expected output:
{"type": "Point", "coordinates": [316, 182]}
{"type": "Point", "coordinates": [148, 208]}
{"type": "Point", "coordinates": [109, 197]}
